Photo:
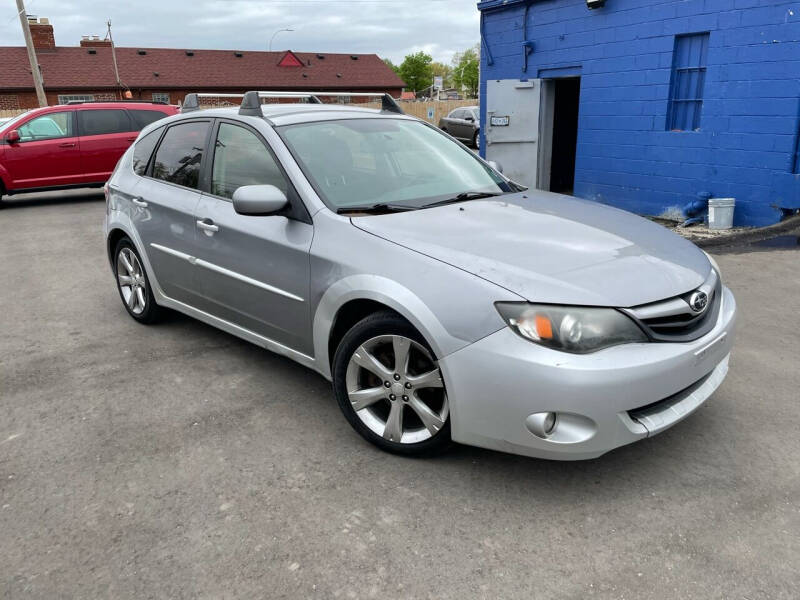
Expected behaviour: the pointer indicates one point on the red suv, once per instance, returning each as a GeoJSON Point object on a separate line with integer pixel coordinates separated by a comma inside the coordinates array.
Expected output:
{"type": "Point", "coordinates": [71, 145]}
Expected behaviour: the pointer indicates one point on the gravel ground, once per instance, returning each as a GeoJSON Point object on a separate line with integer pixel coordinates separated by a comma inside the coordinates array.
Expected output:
{"type": "Point", "coordinates": [176, 461]}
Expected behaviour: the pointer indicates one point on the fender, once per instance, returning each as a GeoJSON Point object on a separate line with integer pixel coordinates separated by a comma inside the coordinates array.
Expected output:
{"type": "Point", "coordinates": [388, 292]}
{"type": "Point", "coordinates": [120, 220]}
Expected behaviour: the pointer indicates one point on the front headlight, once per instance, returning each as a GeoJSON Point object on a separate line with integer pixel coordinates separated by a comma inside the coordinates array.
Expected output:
{"type": "Point", "coordinates": [576, 329]}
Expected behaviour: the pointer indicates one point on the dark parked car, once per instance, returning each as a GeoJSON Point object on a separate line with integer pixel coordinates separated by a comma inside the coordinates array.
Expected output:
{"type": "Point", "coordinates": [70, 145]}
{"type": "Point", "coordinates": [464, 124]}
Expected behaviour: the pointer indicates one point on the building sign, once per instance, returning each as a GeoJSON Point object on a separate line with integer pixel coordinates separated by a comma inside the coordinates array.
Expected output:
{"type": "Point", "coordinates": [499, 121]}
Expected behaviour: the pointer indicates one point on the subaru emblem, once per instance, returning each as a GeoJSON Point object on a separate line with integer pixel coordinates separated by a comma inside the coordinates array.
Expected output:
{"type": "Point", "coordinates": [698, 301]}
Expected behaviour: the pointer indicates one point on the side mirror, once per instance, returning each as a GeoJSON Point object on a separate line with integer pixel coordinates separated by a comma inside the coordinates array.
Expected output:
{"type": "Point", "coordinates": [12, 137]}
{"type": "Point", "coordinates": [496, 166]}
{"type": "Point", "coordinates": [259, 200]}
{"type": "Point", "coordinates": [469, 119]}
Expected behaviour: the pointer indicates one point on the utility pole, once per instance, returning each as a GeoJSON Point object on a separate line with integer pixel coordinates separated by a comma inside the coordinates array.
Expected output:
{"type": "Point", "coordinates": [37, 75]}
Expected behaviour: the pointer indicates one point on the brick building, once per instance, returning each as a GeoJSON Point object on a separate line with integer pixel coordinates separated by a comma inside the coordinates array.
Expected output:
{"type": "Point", "coordinates": [86, 72]}
{"type": "Point", "coordinates": [645, 104]}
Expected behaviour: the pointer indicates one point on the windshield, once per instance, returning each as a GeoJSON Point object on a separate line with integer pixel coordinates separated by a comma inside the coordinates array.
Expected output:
{"type": "Point", "coordinates": [363, 162]}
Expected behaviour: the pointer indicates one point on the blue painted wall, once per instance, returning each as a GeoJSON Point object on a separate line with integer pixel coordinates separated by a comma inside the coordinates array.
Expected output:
{"type": "Point", "coordinates": [748, 139]}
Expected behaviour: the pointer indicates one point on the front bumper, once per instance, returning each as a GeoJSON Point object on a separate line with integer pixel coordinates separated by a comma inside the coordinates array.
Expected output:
{"type": "Point", "coordinates": [604, 400]}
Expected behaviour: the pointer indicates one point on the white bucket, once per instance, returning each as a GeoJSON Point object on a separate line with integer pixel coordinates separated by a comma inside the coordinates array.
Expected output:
{"type": "Point", "coordinates": [720, 213]}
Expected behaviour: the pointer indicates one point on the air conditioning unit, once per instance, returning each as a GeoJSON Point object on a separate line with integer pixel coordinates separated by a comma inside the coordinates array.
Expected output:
{"type": "Point", "coordinates": [592, 4]}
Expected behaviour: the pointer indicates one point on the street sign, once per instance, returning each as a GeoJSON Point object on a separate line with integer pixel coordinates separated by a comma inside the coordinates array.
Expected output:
{"type": "Point", "coordinates": [438, 82]}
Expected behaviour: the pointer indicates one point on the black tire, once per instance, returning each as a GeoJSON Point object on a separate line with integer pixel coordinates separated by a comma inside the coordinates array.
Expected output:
{"type": "Point", "coordinates": [152, 312]}
{"type": "Point", "coordinates": [378, 324]}
{"type": "Point", "coordinates": [476, 140]}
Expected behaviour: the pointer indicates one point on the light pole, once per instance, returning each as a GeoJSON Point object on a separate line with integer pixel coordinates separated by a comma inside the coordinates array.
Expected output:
{"type": "Point", "coordinates": [273, 37]}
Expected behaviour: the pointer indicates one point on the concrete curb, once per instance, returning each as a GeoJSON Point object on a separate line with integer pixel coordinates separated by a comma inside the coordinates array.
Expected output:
{"type": "Point", "coordinates": [749, 236]}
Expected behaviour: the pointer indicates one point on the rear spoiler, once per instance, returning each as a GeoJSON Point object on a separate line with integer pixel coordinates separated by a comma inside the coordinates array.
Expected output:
{"type": "Point", "coordinates": [251, 101]}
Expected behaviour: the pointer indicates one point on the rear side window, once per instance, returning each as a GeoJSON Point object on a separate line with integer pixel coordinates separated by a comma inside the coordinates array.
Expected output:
{"type": "Point", "coordinates": [143, 118]}
{"type": "Point", "coordinates": [103, 121]}
{"type": "Point", "coordinates": [47, 127]}
{"type": "Point", "coordinates": [144, 149]}
{"type": "Point", "coordinates": [240, 158]}
{"type": "Point", "coordinates": [178, 158]}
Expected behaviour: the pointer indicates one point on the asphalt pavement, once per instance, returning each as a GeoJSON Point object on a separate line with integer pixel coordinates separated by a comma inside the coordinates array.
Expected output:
{"type": "Point", "coordinates": [176, 461]}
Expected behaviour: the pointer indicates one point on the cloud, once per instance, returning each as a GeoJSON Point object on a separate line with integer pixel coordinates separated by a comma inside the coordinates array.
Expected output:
{"type": "Point", "coordinates": [389, 28]}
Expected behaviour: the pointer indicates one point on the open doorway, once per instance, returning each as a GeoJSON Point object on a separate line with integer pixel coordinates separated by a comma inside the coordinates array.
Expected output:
{"type": "Point", "coordinates": [559, 134]}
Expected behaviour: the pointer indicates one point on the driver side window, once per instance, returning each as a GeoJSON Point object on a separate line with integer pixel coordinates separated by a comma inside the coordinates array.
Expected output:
{"type": "Point", "coordinates": [47, 127]}
{"type": "Point", "coordinates": [240, 158]}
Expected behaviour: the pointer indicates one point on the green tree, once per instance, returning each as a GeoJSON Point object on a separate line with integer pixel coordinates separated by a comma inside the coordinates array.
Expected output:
{"type": "Point", "coordinates": [391, 65]}
{"type": "Point", "coordinates": [466, 70]}
{"type": "Point", "coordinates": [444, 71]}
{"type": "Point", "coordinates": [417, 72]}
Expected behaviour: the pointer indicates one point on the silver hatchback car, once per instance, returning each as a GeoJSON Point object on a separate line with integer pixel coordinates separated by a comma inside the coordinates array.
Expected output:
{"type": "Point", "coordinates": [444, 301]}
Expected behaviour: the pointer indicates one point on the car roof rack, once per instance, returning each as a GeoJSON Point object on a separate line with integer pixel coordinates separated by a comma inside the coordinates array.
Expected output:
{"type": "Point", "coordinates": [251, 101]}
{"type": "Point", "coordinates": [192, 101]}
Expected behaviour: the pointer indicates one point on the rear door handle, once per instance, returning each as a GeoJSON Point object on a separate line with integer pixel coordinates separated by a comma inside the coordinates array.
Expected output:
{"type": "Point", "coordinates": [67, 145]}
{"type": "Point", "coordinates": [207, 225]}
{"type": "Point", "coordinates": [139, 202]}
{"type": "Point", "coordinates": [133, 139]}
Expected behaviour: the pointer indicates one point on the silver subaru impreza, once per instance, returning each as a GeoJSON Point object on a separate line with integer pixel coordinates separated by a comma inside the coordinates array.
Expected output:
{"type": "Point", "coordinates": [444, 301]}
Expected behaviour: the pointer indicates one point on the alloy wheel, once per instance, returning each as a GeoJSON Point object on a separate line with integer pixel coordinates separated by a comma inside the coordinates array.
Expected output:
{"type": "Point", "coordinates": [131, 280]}
{"type": "Point", "coordinates": [396, 389]}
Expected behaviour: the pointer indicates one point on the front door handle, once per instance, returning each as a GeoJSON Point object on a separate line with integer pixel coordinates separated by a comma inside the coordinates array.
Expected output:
{"type": "Point", "coordinates": [139, 202]}
{"type": "Point", "coordinates": [67, 145]}
{"type": "Point", "coordinates": [132, 139]}
{"type": "Point", "coordinates": [207, 225]}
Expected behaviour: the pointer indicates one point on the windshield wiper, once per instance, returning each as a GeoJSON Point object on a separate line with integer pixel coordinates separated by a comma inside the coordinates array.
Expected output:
{"type": "Point", "coordinates": [463, 197]}
{"type": "Point", "coordinates": [375, 208]}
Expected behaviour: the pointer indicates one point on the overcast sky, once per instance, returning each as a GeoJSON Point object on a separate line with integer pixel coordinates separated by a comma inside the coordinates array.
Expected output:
{"type": "Point", "coordinates": [389, 28]}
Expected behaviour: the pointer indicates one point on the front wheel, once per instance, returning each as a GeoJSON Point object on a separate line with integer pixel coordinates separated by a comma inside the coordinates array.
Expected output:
{"type": "Point", "coordinates": [389, 386]}
{"type": "Point", "coordinates": [476, 140]}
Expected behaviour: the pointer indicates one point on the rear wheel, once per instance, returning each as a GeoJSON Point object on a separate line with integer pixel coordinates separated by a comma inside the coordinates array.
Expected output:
{"type": "Point", "coordinates": [133, 285]}
{"type": "Point", "coordinates": [476, 140]}
{"type": "Point", "coordinates": [390, 388]}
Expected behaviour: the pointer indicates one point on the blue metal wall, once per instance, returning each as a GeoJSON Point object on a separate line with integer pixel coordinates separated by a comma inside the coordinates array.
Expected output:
{"type": "Point", "coordinates": [747, 144]}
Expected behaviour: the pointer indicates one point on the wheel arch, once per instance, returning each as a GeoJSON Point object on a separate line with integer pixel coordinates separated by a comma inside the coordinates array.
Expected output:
{"type": "Point", "coordinates": [113, 238]}
{"type": "Point", "coordinates": [353, 298]}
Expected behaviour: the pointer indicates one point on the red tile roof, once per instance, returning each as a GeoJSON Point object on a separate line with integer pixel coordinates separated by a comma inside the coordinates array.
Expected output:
{"type": "Point", "coordinates": [75, 68]}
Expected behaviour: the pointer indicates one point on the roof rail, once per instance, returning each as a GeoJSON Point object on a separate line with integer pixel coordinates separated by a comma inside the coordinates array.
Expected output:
{"type": "Point", "coordinates": [388, 103]}
{"type": "Point", "coordinates": [110, 101]}
{"type": "Point", "coordinates": [192, 101]}
{"type": "Point", "coordinates": [251, 104]}
{"type": "Point", "coordinates": [251, 101]}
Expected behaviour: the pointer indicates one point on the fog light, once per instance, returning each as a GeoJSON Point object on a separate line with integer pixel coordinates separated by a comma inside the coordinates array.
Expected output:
{"type": "Point", "coordinates": [541, 424]}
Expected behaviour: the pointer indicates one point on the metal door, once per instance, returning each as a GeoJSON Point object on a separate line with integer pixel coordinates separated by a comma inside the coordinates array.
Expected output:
{"type": "Point", "coordinates": [254, 271]}
{"type": "Point", "coordinates": [163, 215]}
{"type": "Point", "coordinates": [512, 127]}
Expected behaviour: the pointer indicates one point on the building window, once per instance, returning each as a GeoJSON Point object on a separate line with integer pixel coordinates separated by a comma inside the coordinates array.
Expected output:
{"type": "Point", "coordinates": [686, 84]}
{"type": "Point", "coordinates": [67, 98]}
{"type": "Point", "coordinates": [161, 97]}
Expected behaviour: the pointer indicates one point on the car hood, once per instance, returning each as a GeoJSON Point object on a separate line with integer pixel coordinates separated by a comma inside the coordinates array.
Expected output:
{"type": "Point", "coordinates": [552, 248]}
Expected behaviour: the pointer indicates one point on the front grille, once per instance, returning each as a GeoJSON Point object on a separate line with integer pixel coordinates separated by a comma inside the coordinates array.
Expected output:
{"type": "Point", "coordinates": [673, 320]}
